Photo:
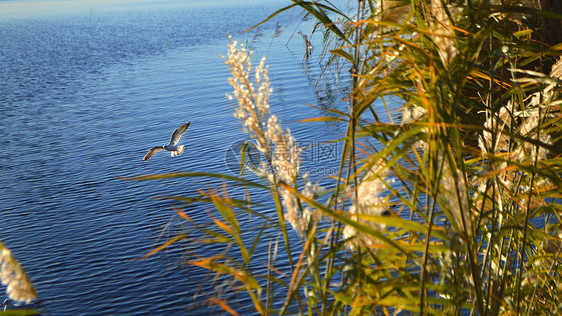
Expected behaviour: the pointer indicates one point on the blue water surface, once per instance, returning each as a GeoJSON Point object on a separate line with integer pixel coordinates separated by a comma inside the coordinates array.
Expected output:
{"type": "Point", "coordinates": [86, 88]}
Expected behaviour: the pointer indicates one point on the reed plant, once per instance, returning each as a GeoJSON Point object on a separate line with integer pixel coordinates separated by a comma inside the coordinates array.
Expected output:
{"type": "Point", "coordinates": [447, 202]}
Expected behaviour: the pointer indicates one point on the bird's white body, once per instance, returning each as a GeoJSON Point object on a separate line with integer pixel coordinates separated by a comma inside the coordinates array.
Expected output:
{"type": "Point", "coordinates": [175, 150]}
{"type": "Point", "coordinates": [171, 147]}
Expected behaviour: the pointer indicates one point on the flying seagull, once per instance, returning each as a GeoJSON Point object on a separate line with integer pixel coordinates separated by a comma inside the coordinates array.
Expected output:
{"type": "Point", "coordinates": [175, 150]}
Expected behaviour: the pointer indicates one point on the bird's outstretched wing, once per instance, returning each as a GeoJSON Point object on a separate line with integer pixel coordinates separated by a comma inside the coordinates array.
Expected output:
{"type": "Point", "coordinates": [152, 151]}
{"type": "Point", "coordinates": [178, 132]}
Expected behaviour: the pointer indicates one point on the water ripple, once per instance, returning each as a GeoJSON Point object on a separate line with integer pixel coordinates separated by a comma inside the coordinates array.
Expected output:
{"type": "Point", "coordinates": [83, 95]}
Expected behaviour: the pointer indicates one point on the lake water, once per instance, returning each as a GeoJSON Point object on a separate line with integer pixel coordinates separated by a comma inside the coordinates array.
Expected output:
{"type": "Point", "coordinates": [86, 88]}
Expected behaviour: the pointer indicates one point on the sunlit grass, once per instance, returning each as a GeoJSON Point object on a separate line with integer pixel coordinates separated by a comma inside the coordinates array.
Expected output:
{"type": "Point", "coordinates": [452, 208]}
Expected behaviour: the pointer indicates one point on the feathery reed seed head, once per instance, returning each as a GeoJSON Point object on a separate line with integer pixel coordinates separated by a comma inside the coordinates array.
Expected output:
{"type": "Point", "coordinates": [19, 288]}
{"type": "Point", "coordinates": [276, 144]}
{"type": "Point", "coordinates": [369, 200]}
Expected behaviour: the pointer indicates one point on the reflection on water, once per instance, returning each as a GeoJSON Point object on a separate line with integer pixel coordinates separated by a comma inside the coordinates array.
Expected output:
{"type": "Point", "coordinates": [34, 8]}
{"type": "Point", "coordinates": [85, 90]}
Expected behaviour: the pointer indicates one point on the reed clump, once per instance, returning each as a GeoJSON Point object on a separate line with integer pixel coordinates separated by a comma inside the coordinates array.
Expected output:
{"type": "Point", "coordinates": [452, 208]}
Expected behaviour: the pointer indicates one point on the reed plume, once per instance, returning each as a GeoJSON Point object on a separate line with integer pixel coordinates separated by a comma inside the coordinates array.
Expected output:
{"type": "Point", "coordinates": [368, 200]}
{"type": "Point", "coordinates": [279, 147]}
{"type": "Point", "coordinates": [18, 285]}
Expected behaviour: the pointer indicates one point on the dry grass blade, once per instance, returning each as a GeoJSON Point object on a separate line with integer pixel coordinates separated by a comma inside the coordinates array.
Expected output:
{"type": "Point", "coordinates": [222, 304]}
{"type": "Point", "coordinates": [163, 246]}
